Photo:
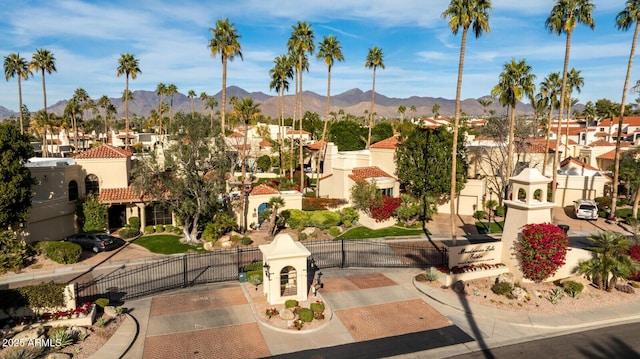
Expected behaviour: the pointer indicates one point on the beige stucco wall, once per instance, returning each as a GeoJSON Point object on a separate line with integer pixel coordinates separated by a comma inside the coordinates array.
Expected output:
{"type": "Point", "coordinates": [384, 158]}
{"type": "Point", "coordinates": [112, 173]}
{"type": "Point", "coordinates": [469, 200]}
{"type": "Point", "coordinates": [292, 200]}
{"type": "Point", "coordinates": [573, 188]}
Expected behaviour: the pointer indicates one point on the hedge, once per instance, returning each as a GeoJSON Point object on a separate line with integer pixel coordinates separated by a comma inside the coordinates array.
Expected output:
{"type": "Point", "coordinates": [61, 252]}
{"type": "Point", "coordinates": [44, 295]}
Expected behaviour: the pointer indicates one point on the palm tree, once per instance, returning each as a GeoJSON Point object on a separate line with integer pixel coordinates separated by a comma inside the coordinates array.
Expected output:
{"type": "Point", "coordinates": [280, 74]}
{"type": "Point", "coordinates": [574, 81]}
{"type": "Point", "coordinates": [435, 109]}
{"type": "Point", "coordinates": [463, 14]}
{"type": "Point", "coordinates": [17, 66]}
{"type": "Point", "coordinates": [485, 102]}
{"type": "Point", "coordinates": [247, 110]}
{"type": "Point", "coordinates": [550, 90]}
{"type": "Point", "coordinates": [610, 260]}
{"type": "Point", "coordinates": [71, 110]}
{"type": "Point", "coordinates": [625, 18]}
{"type": "Point", "coordinates": [329, 50]}
{"type": "Point", "coordinates": [565, 16]}
{"type": "Point", "coordinates": [191, 95]}
{"type": "Point", "coordinates": [300, 43]}
{"type": "Point", "coordinates": [515, 82]}
{"type": "Point", "coordinates": [275, 203]}
{"type": "Point", "coordinates": [129, 66]}
{"type": "Point", "coordinates": [203, 99]}
{"type": "Point", "coordinates": [104, 103]}
{"type": "Point", "coordinates": [212, 103]}
{"type": "Point", "coordinates": [172, 89]}
{"type": "Point", "coordinates": [83, 101]}
{"type": "Point", "coordinates": [375, 59]}
{"type": "Point", "coordinates": [401, 110]}
{"type": "Point", "coordinates": [161, 90]}
{"type": "Point", "coordinates": [225, 43]}
{"type": "Point", "coordinates": [43, 61]}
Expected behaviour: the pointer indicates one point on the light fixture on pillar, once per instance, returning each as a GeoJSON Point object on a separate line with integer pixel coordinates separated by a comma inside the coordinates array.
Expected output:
{"type": "Point", "coordinates": [266, 267]}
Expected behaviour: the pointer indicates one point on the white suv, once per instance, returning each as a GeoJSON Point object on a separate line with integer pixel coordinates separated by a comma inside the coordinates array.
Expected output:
{"type": "Point", "coordinates": [586, 209]}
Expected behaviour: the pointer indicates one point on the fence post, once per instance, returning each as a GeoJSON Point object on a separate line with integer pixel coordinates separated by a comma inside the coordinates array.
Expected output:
{"type": "Point", "coordinates": [185, 269]}
{"type": "Point", "coordinates": [238, 251]}
{"type": "Point", "coordinates": [343, 254]}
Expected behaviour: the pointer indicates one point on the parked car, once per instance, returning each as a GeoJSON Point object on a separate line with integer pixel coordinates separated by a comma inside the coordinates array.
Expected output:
{"type": "Point", "coordinates": [586, 209]}
{"type": "Point", "coordinates": [96, 242]}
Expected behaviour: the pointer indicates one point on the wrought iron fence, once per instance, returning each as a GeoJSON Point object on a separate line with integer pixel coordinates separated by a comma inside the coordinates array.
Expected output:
{"type": "Point", "coordinates": [179, 271]}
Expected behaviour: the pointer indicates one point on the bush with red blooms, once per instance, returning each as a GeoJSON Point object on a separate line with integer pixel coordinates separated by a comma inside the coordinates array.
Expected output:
{"type": "Point", "coordinates": [543, 249]}
{"type": "Point", "coordinates": [317, 204]}
{"type": "Point", "coordinates": [384, 210]}
{"type": "Point", "coordinates": [634, 253]}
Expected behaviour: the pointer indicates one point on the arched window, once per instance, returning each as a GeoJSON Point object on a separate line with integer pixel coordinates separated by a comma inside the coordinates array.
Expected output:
{"type": "Point", "coordinates": [92, 184]}
{"type": "Point", "coordinates": [72, 189]}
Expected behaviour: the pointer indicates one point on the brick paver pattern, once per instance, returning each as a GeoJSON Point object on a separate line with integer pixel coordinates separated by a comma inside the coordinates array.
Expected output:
{"type": "Point", "coordinates": [376, 280]}
{"type": "Point", "coordinates": [183, 303]}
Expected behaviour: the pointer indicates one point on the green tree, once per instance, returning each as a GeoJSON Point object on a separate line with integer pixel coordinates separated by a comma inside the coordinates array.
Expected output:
{"type": "Point", "coordinates": [565, 16]}
{"type": "Point", "coordinates": [423, 160]}
{"type": "Point", "coordinates": [172, 90]}
{"type": "Point", "coordinates": [16, 182]}
{"type": "Point", "coordinates": [365, 195]}
{"type": "Point", "coordinates": [16, 66]}
{"type": "Point", "coordinates": [12, 251]}
{"type": "Point", "coordinates": [190, 179]}
{"type": "Point", "coordinates": [610, 260]}
{"type": "Point", "coordinates": [346, 135]}
{"type": "Point", "coordinates": [264, 163]}
{"type": "Point", "coordinates": [300, 43]}
{"type": "Point", "coordinates": [104, 102]}
{"type": "Point", "coordinates": [549, 91]}
{"type": "Point", "coordinates": [129, 66]}
{"type": "Point", "coordinates": [192, 95]}
{"type": "Point", "coordinates": [465, 15]}
{"type": "Point", "coordinates": [629, 169]}
{"type": "Point", "coordinates": [44, 61]}
{"type": "Point", "coordinates": [94, 214]}
{"type": "Point", "coordinates": [247, 110]}
{"type": "Point", "coordinates": [624, 20]}
{"type": "Point", "coordinates": [485, 102]}
{"type": "Point", "coordinates": [375, 59]}
{"type": "Point", "coordinates": [381, 131]}
{"type": "Point", "coordinates": [225, 43]}
{"type": "Point", "coordinates": [515, 82]}
{"type": "Point", "coordinates": [275, 203]}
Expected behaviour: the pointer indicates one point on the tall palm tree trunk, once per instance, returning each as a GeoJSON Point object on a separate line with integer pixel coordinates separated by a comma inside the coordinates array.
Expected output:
{"type": "Point", "coordinates": [616, 166]}
{"type": "Point", "coordinates": [454, 149]}
{"type": "Point", "coordinates": [243, 194]}
{"type": "Point", "coordinates": [20, 104]}
{"type": "Point", "coordinates": [373, 92]}
{"type": "Point", "coordinates": [45, 151]}
{"type": "Point", "coordinates": [548, 141]}
{"type": "Point", "coordinates": [126, 110]}
{"type": "Point", "coordinates": [302, 175]}
{"type": "Point", "coordinates": [224, 95]}
{"type": "Point", "coordinates": [293, 125]}
{"type": "Point", "coordinates": [563, 89]}
{"type": "Point", "coordinates": [324, 132]}
{"type": "Point", "coordinates": [512, 120]}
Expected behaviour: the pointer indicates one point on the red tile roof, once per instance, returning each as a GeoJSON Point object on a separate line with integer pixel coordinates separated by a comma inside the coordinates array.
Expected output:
{"type": "Point", "coordinates": [263, 189]}
{"type": "Point", "coordinates": [390, 143]}
{"type": "Point", "coordinates": [601, 134]}
{"type": "Point", "coordinates": [628, 120]}
{"type": "Point", "coordinates": [104, 151]}
{"type": "Point", "coordinates": [362, 173]}
{"type": "Point", "coordinates": [118, 195]}
{"type": "Point", "coordinates": [265, 143]}
{"type": "Point", "coordinates": [235, 134]}
{"type": "Point", "coordinates": [601, 143]}
{"type": "Point", "coordinates": [318, 145]}
{"type": "Point", "coordinates": [297, 132]}
{"type": "Point", "coordinates": [607, 156]}
{"type": "Point", "coordinates": [576, 161]}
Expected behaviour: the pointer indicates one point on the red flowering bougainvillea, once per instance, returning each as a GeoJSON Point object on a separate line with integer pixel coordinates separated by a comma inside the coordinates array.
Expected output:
{"type": "Point", "coordinates": [543, 249]}
{"type": "Point", "coordinates": [634, 253]}
{"type": "Point", "coordinates": [383, 211]}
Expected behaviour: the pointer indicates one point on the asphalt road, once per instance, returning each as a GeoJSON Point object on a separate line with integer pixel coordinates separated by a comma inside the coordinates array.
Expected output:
{"type": "Point", "coordinates": [616, 342]}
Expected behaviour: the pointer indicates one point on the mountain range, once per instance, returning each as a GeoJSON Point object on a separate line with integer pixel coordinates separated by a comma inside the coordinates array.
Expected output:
{"type": "Point", "coordinates": [354, 102]}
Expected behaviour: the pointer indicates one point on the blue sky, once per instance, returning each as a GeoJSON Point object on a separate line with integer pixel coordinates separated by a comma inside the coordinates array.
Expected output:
{"type": "Point", "coordinates": [170, 39]}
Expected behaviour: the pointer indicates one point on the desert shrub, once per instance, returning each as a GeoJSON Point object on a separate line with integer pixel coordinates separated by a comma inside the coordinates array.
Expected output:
{"type": "Point", "coordinates": [555, 295]}
{"type": "Point", "coordinates": [603, 202]}
{"type": "Point", "coordinates": [93, 214]}
{"type": "Point", "coordinates": [159, 228]}
{"type": "Point", "coordinates": [255, 266]}
{"type": "Point", "coordinates": [348, 215]}
{"type": "Point", "coordinates": [290, 303]}
{"type": "Point", "coordinates": [102, 302]}
{"type": "Point", "coordinates": [236, 238]}
{"type": "Point", "coordinates": [128, 232]}
{"type": "Point", "coordinates": [169, 228]}
{"type": "Point", "coordinates": [177, 230]}
{"type": "Point", "coordinates": [312, 203]}
{"type": "Point", "coordinates": [317, 307]}
{"type": "Point", "coordinates": [149, 230]}
{"type": "Point", "coordinates": [302, 236]}
{"type": "Point", "coordinates": [12, 252]}
{"type": "Point", "coordinates": [61, 252]}
{"type": "Point", "coordinates": [384, 209]}
{"type": "Point", "coordinates": [542, 249]}
{"type": "Point", "coordinates": [502, 288]}
{"type": "Point", "coordinates": [573, 288]}
{"type": "Point", "coordinates": [322, 219]}
{"type": "Point", "coordinates": [134, 222]}
{"type": "Point", "coordinates": [334, 231]}
{"type": "Point", "coordinates": [60, 337]}
{"type": "Point", "coordinates": [24, 352]}
{"type": "Point", "coordinates": [297, 218]}
{"type": "Point", "coordinates": [246, 241]}
{"type": "Point", "coordinates": [255, 277]}
{"type": "Point", "coordinates": [431, 276]}
{"type": "Point", "coordinates": [479, 214]}
{"type": "Point", "coordinates": [500, 211]}
{"type": "Point", "coordinates": [305, 314]}
{"type": "Point", "coordinates": [44, 295]}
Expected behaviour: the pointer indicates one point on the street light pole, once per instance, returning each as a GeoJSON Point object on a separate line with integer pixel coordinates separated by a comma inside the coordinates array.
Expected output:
{"type": "Point", "coordinates": [490, 209]}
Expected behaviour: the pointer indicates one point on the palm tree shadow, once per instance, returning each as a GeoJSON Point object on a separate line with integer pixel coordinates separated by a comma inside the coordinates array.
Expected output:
{"type": "Point", "coordinates": [477, 333]}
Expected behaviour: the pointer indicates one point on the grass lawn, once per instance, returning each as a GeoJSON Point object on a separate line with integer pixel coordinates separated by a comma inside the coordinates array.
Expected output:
{"type": "Point", "coordinates": [496, 227]}
{"type": "Point", "coordinates": [364, 232]}
{"type": "Point", "coordinates": [165, 244]}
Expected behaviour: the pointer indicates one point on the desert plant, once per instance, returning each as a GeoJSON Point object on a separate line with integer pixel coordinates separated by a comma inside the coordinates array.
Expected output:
{"type": "Point", "coordinates": [317, 307]}
{"type": "Point", "coordinates": [134, 222]}
{"type": "Point", "coordinates": [100, 322]}
{"type": "Point", "coordinates": [555, 295]}
{"type": "Point", "coordinates": [573, 288]}
{"type": "Point", "coordinates": [305, 314]}
{"type": "Point", "coordinates": [149, 229]}
{"type": "Point", "coordinates": [102, 302]}
{"type": "Point", "coordinates": [302, 236]}
{"type": "Point", "coordinates": [502, 288]}
{"type": "Point", "coordinates": [119, 310]}
{"type": "Point", "coordinates": [22, 352]}
{"type": "Point", "coordinates": [246, 241]}
{"type": "Point", "coordinates": [290, 303]}
{"type": "Point", "coordinates": [334, 231]}
{"type": "Point", "coordinates": [432, 276]}
{"type": "Point", "coordinates": [128, 232]}
{"type": "Point", "coordinates": [500, 211]}
{"type": "Point", "coordinates": [479, 214]}
{"type": "Point", "coordinates": [159, 228]}
{"type": "Point", "coordinates": [60, 337]}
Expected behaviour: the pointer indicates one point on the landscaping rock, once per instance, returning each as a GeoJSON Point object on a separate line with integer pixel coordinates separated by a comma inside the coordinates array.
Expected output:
{"type": "Point", "coordinates": [507, 278]}
{"type": "Point", "coordinates": [458, 287]}
{"type": "Point", "coordinates": [110, 312]}
{"type": "Point", "coordinates": [309, 231]}
{"type": "Point", "coordinates": [58, 355]}
{"type": "Point", "coordinates": [287, 314]}
{"type": "Point", "coordinates": [29, 334]}
{"type": "Point", "coordinates": [519, 294]}
{"type": "Point", "coordinates": [81, 331]}
{"type": "Point", "coordinates": [208, 246]}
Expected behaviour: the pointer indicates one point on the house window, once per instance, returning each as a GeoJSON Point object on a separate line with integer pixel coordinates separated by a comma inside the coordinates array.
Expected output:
{"type": "Point", "coordinates": [72, 189]}
{"type": "Point", "coordinates": [157, 214]}
{"type": "Point", "coordinates": [387, 192]}
{"type": "Point", "coordinates": [92, 184]}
